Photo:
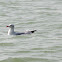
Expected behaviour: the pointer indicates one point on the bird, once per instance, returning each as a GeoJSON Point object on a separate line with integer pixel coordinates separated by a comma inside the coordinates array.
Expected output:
{"type": "Point", "coordinates": [12, 32]}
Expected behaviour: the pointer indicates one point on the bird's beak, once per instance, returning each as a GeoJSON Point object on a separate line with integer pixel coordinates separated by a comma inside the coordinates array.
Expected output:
{"type": "Point", "coordinates": [7, 26]}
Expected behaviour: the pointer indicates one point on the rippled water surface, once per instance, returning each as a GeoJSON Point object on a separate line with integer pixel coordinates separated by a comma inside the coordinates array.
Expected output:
{"type": "Point", "coordinates": [45, 45]}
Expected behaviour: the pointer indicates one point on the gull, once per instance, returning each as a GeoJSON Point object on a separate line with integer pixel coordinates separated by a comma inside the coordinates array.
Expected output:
{"type": "Point", "coordinates": [12, 32]}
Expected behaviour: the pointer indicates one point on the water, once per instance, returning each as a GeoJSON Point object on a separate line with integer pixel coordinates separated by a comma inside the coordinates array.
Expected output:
{"type": "Point", "coordinates": [45, 16]}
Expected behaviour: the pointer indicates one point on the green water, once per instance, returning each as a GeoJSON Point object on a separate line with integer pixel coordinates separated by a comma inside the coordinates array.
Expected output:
{"type": "Point", "coordinates": [45, 45]}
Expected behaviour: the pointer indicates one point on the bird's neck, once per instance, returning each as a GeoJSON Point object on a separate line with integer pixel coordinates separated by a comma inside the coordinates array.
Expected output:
{"type": "Point", "coordinates": [11, 31]}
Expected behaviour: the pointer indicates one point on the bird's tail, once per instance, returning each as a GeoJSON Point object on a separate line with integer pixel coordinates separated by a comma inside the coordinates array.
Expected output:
{"type": "Point", "coordinates": [33, 31]}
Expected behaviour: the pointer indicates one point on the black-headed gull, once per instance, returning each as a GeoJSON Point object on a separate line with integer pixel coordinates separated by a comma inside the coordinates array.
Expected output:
{"type": "Point", "coordinates": [12, 32]}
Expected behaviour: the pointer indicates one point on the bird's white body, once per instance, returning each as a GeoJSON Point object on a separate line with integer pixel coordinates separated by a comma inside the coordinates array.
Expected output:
{"type": "Point", "coordinates": [11, 32]}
